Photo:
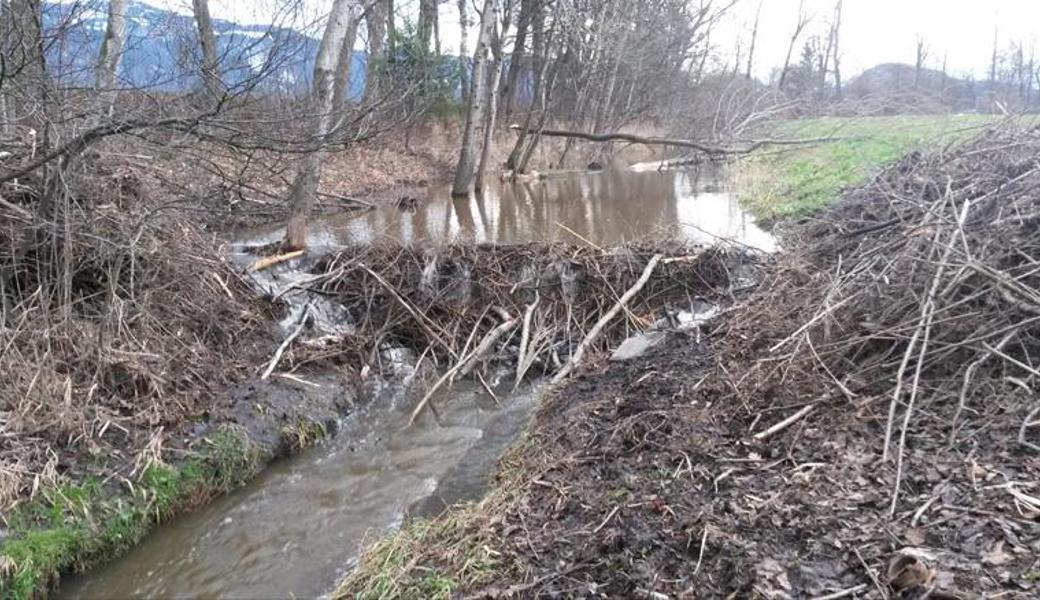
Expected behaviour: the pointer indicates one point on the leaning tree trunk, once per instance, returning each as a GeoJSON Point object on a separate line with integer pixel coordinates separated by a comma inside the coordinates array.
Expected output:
{"type": "Point", "coordinates": [463, 184]}
{"type": "Point", "coordinates": [208, 41]}
{"type": "Point", "coordinates": [345, 14]}
{"type": "Point", "coordinates": [111, 55]}
{"type": "Point", "coordinates": [375, 22]}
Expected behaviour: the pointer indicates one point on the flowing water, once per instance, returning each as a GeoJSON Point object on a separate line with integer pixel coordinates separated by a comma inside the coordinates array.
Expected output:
{"type": "Point", "coordinates": [295, 530]}
{"type": "Point", "coordinates": [291, 532]}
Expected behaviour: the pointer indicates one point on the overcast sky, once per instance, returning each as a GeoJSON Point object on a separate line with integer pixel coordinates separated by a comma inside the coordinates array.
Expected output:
{"type": "Point", "coordinates": [877, 31]}
{"type": "Point", "coordinates": [874, 31]}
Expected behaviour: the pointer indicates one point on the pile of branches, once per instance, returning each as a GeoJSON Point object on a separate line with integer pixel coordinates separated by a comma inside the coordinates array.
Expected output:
{"type": "Point", "coordinates": [531, 304]}
{"type": "Point", "coordinates": [920, 291]}
{"type": "Point", "coordinates": [119, 318]}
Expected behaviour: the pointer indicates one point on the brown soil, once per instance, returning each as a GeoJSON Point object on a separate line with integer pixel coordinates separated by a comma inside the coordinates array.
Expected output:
{"type": "Point", "coordinates": [646, 478]}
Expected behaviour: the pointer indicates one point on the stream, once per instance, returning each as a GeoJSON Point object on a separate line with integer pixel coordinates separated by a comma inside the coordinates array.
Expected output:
{"type": "Point", "coordinates": [298, 528]}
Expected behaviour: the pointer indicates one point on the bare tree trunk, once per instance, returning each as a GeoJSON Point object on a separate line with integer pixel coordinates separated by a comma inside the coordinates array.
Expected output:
{"type": "Point", "coordinates": [699, 76]}
{"type": "Point", "coordinates": [922, 55]}
{"type": "Point", "coordinates": [607, 101]}
{"type": "Point", "coordinates": [523, 25]}
{"type": "Point", "coordinates": [1020, 68]}
{"type": "Point", "coordinates": [208, 40]}
{"type": "Point", "coordinates": [344, 69]}
{"type": "Point", "coordinates": [493, 91]}
{"type": "Point", "coordinates": [738, 56]}
{"type": "Point", "coordinates": [754, 40]}
{"type": "Point", "coordinates": [825, 63]}
{"type": "Point", "coordinates": [436, 32]}
{"type": "Point", "coordinates": [463, 49]}
{"type": "Point", "coordinates": [425, 26]}
{"type": "Point", "coordinates": [803, 20]}
{"type": "Point", "coordinates": [993, 62]}
{"type": "Point", "coordinates": [6, 35]}
{"type": "Point", "coordinates": [376, 21]}
{"type": "Point", "coordinates": [24, 61]}
{"type": "Point", "coordinates": [540, 61]}
{"type": "Point", "coordinates": [836, 33]}
{"type": "Point", "coordinates": [111, 55]}
{"type": "Point", "coordinates": [391, 29]}
{"type": "Point", "coordinates": [543, 118]}
{"type": "Point", "coordinates": [463, 183]}
{"type": "Point", "coordinates": [344, 15]}
{"type": "Point", "coordinates": [1029, 77]}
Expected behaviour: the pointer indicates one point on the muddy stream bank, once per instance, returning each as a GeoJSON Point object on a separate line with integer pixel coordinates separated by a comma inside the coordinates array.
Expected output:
{"type": "Point", "coordinates": [295, 530]}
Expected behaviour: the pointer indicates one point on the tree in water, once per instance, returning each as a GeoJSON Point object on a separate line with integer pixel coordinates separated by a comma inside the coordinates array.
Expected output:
{"type": "Point", "coordinates": [476, 106]}
{"type": "Point", "coordinates": [343, 18]}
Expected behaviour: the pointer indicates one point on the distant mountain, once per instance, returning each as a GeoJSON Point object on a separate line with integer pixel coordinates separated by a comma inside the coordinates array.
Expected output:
{"type": "Point", "coordinates": [162, 50]}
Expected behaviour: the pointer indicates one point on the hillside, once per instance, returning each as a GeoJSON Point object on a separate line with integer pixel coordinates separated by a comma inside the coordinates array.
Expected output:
{"type": "Point", "coordinates": [905, 87]}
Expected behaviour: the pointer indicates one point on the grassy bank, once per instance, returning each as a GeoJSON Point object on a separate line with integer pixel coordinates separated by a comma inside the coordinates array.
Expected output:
{"type": "Point", "coordinates": [793, 182]}
{"type": "Point", "coordinates": [77, 526]}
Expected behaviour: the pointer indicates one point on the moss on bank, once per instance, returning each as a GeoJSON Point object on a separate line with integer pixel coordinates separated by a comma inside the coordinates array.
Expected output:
{"type": "Point", "coordinates": [74, 527]}
{"type": "Point", "coordinates": [794, 182]}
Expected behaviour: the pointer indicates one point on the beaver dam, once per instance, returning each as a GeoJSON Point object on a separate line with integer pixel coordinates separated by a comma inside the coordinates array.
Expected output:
{"type": "Point", "coordinates": [863, 424]}
{"type": "Point", "coordinates": [443, 349]}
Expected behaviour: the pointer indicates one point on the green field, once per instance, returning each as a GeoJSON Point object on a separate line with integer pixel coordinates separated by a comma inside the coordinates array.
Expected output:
{"type": "Point", "coordinates": [791, 182]}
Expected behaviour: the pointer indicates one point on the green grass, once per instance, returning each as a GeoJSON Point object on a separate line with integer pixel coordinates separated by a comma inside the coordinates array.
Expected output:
{"type": "Point", "coordinates": [303, 434]}
{"type": "Point", "coordinates": [777, 184]}
{"type": "Point", "coordinates": [73, 527]}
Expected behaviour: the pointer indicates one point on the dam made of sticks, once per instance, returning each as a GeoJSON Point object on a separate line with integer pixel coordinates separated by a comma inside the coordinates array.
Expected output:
{"type": "Point", "coordinates": [534, 306]}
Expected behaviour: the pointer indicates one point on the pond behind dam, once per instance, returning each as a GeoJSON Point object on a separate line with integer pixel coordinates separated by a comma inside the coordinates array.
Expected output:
{"type": "Point", "coordinates": [298, 528]}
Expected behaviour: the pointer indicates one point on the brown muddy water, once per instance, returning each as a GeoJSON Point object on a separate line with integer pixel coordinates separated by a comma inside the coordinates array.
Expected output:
{"type": "Point", "coordinates": [605, 208]}
{"type": "Point", "coordinates": [298, 528]}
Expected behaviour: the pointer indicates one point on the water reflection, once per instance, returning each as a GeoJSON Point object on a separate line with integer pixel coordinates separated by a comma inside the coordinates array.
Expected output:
{"type": "Point", "coordinates": [605, 208]}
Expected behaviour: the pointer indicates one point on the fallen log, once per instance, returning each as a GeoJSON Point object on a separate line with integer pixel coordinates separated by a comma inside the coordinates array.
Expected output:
{"type": "Point", "coordinates": [751, 146]}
